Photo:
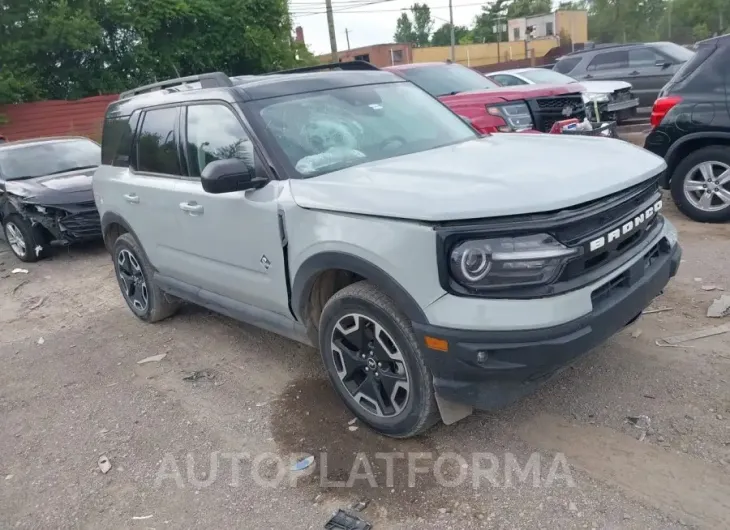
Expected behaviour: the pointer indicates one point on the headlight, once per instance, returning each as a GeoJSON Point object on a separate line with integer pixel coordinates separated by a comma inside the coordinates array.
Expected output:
{"type": "Point", "coordinates": [496, 263]}
{"type": "Point", "coordinates": [516, 115]}
{"type": "Point", "coordinates": [590, 97]}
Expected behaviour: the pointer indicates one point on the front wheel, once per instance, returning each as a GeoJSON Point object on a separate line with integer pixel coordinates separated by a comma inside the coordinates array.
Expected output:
{"type": "Point", "coordinates": [701, 185]}
{"type": "Point", "coordinates": [373, 361]}
{"type": "Point", "coordinates": [29, 243]}
{"type": "Point", "coordinates": [134, 274]}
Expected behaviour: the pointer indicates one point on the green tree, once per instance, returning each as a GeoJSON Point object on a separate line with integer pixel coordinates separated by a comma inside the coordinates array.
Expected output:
{"type": "Point", "coordinates": [526, 8]}
{"type": "Point", "coordinates": [65, 49]}
{"type": "Point", "coordinates": [490, 23]}
{"type": "Point", "coordinates": [442, 36]}
{"type": "Point", "coordinates": [404, 30]}
{"type": "Point", "coordinates": [416, 31]}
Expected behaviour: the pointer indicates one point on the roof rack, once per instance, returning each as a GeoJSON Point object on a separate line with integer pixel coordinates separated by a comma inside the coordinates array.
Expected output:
{"type": "Point", "coordinates": [348, 65]}
{"type": "Point", "coordinates": [604, 46]}
{"type": "Point", "coordinates": [209, 80]}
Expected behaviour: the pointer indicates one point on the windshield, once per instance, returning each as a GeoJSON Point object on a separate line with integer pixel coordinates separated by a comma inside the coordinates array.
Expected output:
{"type": "Point", "coordinates": [322, 132]}
{"type": "Point", "coordinates": [446, 79]}
{"type": "Point", "coordinates": [46, 158]}
{"type": "Point", "coordinates": [542, 76]}
{"type": "Point", "coordinates": [680, 53]}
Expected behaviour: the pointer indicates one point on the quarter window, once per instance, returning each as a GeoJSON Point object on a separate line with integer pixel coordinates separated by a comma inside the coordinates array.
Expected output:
{"type": "Point", "coordinates": [214, 133]}
{"type": "Point", "coordinates": [508, 80]}
{"type": "Point", "coordinates": [156, 146]}
{"type": "Point", "coordinates": [643, 57]}
{"type": "Point", "coordinates": [609, 61]}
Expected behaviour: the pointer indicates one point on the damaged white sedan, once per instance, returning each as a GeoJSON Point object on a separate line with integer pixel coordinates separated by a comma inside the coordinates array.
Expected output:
{"type": "Point", "coordinates": [45, 194]}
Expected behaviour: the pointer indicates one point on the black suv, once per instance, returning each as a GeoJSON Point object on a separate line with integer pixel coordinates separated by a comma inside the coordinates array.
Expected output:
{"type": "Point", "coordinates": [647, 66]}
{"type": "Point", "coordinates": [691, 130]}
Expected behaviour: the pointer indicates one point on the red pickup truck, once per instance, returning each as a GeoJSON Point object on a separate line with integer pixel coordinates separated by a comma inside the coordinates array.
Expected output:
{"type": "Point", "coordinates": [490, 107]}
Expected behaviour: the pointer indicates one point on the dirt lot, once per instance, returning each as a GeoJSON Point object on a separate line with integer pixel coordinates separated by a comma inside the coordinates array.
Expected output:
{"type": "Point", "coordinates": [79, 393]}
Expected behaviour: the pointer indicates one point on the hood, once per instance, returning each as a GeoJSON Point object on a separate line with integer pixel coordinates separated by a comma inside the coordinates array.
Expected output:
{"type": "Point", "coordinates": [604, 87]}
{"type": "Point", "coordinates": [61, 188]}
{"type": "Point", "coordinates": [492, 95]}
{"type": "Point", "coordinates": [488, 177]}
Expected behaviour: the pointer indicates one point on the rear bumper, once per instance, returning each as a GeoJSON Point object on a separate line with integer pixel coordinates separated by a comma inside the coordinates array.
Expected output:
{"type": "Point", "coordinates": [514, 363]}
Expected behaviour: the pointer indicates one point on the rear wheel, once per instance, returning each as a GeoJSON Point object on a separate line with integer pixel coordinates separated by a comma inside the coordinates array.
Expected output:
{"type": "Point", "coordinates": [29, 243]}
{"type": "Point", "coordinates": [373, 360]}
{"type": "Point", "coordinates": [701, 185]}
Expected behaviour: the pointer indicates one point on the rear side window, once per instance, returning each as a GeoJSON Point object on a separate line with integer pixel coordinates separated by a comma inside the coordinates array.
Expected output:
{"type": "Point", "coordinates": [565, 66]}
{"type": "Point", "coordinates": [156, 146]}
{"type": "Point", "coordinates": [116, 140]}
{"type": "Point", "coordinates": [709, 73]}
{"type": "Point", "coordinates": [609, 61]}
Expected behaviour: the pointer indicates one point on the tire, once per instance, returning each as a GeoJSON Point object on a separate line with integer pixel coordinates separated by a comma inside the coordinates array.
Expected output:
{"type": "Point", "coordinates": [688, 171]}
{"type": "Point", "coordinates": [32, 244]}
{"type": "Point", "coordinates": [362, 308]}
{"type": "Point", "coordinates": [135, 276]}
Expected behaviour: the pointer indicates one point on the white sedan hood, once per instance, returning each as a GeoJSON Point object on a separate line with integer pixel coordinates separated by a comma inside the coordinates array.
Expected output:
{"type": "Point", "coordinates": [604, 87]}
{"type": "Point", "coordinates": [500, 175]}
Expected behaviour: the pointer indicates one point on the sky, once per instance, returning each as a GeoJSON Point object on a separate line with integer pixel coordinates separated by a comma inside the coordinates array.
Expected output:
{"type": "Point", "coordinates": [369, 21]}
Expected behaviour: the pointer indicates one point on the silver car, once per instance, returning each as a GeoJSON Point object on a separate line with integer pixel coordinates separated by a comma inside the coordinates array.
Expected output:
{"type": "Point", "coordinates": [436, 270]}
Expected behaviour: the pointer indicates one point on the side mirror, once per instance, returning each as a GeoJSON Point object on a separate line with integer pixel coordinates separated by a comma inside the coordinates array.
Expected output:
{"type": "Point", "coordinates": [232, 174]}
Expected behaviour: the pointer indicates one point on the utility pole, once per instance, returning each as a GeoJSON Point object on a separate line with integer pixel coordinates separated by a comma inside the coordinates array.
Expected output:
{"type": "Point", "coordinates": [669, 21]}
{"type": "Point", "coordinates": [453, 33]}
{"type": "Point", "coordinates": [333, 36]}
{"type": "Point", "coordinates": [347, 34]}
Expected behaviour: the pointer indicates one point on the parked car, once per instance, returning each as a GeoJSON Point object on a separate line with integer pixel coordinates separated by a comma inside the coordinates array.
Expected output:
{"type": "Point", "coordinates": [45, 194]}
{"type": "Point", "coordinates": [691, 130]}
{"type": "Point", "coordinates": [647, 66]}
{"type": "Point", "coordinates": [614, 99]}
{"type": "Point", "coordinates": [436, 269]}
{"type": "Point", "coordinates": [492, 108]}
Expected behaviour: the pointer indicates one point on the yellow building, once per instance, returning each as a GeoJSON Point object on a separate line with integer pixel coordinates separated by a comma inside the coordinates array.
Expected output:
{"type": "Point", "coordinates": [488, 53]}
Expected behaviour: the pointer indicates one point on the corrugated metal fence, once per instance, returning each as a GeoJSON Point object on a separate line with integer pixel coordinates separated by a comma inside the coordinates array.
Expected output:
{"type": "Point", "coordinates": [83, 117]}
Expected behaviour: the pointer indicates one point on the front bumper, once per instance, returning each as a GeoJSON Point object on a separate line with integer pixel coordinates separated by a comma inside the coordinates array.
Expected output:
{"type": "Point", "coordinates": [616, 106]}
{"type": "Point", "coordinates": [490, 369]}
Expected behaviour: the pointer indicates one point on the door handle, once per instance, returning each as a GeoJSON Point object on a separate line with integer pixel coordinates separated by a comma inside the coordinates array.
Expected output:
{"type": "Point", "coordinates": [589, 76]}
{"type": "Point", "coordinates": [131, 198]}
{"type": "Point", "coordinates": [192, 207]}
{"type": "Point", "coordinates": [635, 72]}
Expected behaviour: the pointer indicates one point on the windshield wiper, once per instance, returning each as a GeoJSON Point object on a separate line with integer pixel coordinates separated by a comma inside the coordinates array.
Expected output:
{"type": "Point", "coordinates": [450, 93]}
{"type": "Point", "coordinates": [78, 168]}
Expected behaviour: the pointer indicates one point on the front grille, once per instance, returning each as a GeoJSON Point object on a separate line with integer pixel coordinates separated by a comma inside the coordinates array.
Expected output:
{"type": "Point", "coordinates": [548, 110]}
{"type": "Point", "coordinates": [81, 225]}
{"type": "Point", "coordinates": [622, 94]}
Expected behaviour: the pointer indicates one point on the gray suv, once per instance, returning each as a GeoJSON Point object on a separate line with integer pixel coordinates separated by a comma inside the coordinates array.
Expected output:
{"type": "Point", "coordinates": [436, 270]}
{"type": "Point", "coordinates": [647, 66]}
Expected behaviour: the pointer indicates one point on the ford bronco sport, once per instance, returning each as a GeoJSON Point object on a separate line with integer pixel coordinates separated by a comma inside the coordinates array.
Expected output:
{"type": "Point", "coordinates": [435, 269]}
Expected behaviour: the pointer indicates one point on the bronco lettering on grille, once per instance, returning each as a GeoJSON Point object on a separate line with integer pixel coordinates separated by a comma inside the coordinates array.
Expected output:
{"type": "Point", "coordinates": [625, 229]}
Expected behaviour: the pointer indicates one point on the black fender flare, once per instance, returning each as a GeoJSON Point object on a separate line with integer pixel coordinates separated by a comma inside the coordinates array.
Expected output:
{"type": "Point", "coordinates": [674, 148]}
{"type": "Point", "coordinates": [312, 266]}
{"type": "Point", "coordinates": [110, 218]}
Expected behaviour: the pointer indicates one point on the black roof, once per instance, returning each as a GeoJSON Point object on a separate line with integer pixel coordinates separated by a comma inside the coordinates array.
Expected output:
{"type": "Point", "coordinates": [248, 87]}
{"type": "Point", "coordinates": [720, 39]}
{"type": "Point", "coordinates": [603, 47]}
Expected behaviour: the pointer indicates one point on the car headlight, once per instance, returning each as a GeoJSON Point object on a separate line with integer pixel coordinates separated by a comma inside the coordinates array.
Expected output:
{"type": "Point", "coordinates": [516, 116]}
{"type": "Point", "coordinates": [497, 263]}
{"type": "Point", "coordinates": [590, 97]}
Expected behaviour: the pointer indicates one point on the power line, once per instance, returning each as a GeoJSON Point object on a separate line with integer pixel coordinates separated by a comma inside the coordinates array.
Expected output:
{"type": "Point", "coordinates": [310, 13]}
{"type": "Point", "coordinates": [347, 8]}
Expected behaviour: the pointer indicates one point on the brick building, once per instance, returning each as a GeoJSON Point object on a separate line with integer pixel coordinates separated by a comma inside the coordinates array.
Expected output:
{"type": "Point", "coordinates": [380, 55]}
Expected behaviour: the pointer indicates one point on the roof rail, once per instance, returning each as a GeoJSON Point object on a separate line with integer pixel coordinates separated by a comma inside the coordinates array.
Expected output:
{"type": "Point", "coordinates": [605, 46]}
{"type": "Point", "coordinates": [347, 65]}
{"type": "Point", "coordinates": [209, 80]}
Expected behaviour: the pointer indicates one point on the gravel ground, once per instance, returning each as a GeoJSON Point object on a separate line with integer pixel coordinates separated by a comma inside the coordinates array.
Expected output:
{"type": "Point", "coordinates": [203, 453]}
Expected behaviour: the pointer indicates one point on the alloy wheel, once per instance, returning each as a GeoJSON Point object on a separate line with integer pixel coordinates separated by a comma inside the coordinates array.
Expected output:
{"type": "Point", "coordinates": [16, 239]}
{"type": "Point", "coordinates": [370, 365]}
{"type": "Point", "coordinates": [707, 186]}
{"type": "Point", "coordinates": [133, 283]}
